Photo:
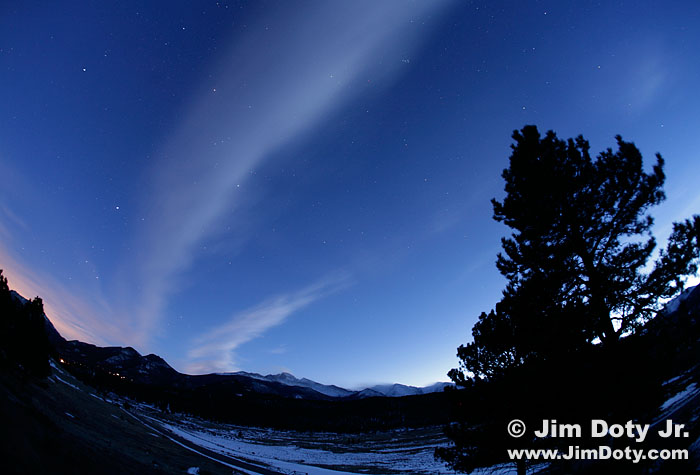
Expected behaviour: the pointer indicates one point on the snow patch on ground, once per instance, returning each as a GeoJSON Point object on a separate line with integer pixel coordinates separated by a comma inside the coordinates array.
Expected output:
{"type": "Point", "coordinates": [680, 397]}
{"type": "Point", "coordinates": [281, 450]}
{"type": "Point", "coordinates": [58, 378]}
{"type": "Point", "coordinates": [275, 456]}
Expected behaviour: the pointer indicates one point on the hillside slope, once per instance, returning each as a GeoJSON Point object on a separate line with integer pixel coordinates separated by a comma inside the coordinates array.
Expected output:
{"type": "Point", "coordinates": [58, 425]}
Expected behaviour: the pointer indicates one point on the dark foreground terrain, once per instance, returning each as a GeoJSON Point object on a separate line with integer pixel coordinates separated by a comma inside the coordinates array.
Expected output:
{"type": "Point", "coordinates": [50, 426]}
{"type": "Point", "coordinates": [59, 425]}
{"type": "Point", "coordinates": [69, 407]}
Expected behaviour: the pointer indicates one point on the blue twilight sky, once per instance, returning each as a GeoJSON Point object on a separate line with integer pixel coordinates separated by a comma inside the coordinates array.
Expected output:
{"type": "Point", "coordinates": [304, 186]}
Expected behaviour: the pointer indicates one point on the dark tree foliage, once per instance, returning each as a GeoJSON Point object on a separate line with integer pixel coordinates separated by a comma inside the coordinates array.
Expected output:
{"type": "Point", "coordinates": [580, 226]}
{"type": "Point", "coordinates": [579, 280]}
{"type": "Point", "coordinates": [23, 339]}
{"type": "Point", "coordinates": [576, 259]}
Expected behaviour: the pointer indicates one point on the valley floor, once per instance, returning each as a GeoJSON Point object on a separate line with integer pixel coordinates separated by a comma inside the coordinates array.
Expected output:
{"type": "Point", "coordinates": [312, 453]}
{"type": "Point", "coordinates": [59, 425]}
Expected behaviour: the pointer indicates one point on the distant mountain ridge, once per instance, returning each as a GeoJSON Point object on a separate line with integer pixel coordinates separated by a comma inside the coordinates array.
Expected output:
{"type": "Point", "coordinates": [399, 390]}
{"type": "Point", "coordinates": [394, 390]}
{"type": "Point", "coordinates": [290, 380]}
{"type": "Point", "coordinates": [127, 363]}
{"type": "Point", "coordinates": [286, 402]}
{"type": "Point", "coordinates": [151, 370]}
{"type": "Point", "coordinates": [382, 390]}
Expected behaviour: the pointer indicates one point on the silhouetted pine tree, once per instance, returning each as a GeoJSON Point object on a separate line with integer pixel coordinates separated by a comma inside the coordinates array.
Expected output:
{"type": "Point", "coordinates": [576, 267]}
{"type": "Point", "coordinates": [24, 340]}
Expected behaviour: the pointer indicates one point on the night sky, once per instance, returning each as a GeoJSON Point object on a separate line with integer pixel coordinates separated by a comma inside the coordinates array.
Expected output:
{"type": "Point", "coordinates": [305, 186]}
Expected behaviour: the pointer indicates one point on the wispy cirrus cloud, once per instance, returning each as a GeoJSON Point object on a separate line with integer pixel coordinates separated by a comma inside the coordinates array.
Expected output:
{"type": "Point", "coordinates": [272, 87]}
{"type": "Point", "coordinates": [215, 350]}
{"type": "Point", "coordinates": [252, 106]}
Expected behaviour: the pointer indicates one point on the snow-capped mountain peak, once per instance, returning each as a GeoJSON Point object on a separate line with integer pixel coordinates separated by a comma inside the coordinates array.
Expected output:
{"type": "Point", "coordinates": [290, 380]}
{"type": "Point", "coordinates": [386, 390]}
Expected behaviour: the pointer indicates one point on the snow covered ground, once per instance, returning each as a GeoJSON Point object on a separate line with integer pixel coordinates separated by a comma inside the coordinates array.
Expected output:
{"type": "Point", "coordinates": [685, 390]}
{"type": "Point", "coordinates": [404, 451]}
{"type": "Point", "coordinates": [681, 397]}
{"type": "Point", "coordinates": [400, 451]}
